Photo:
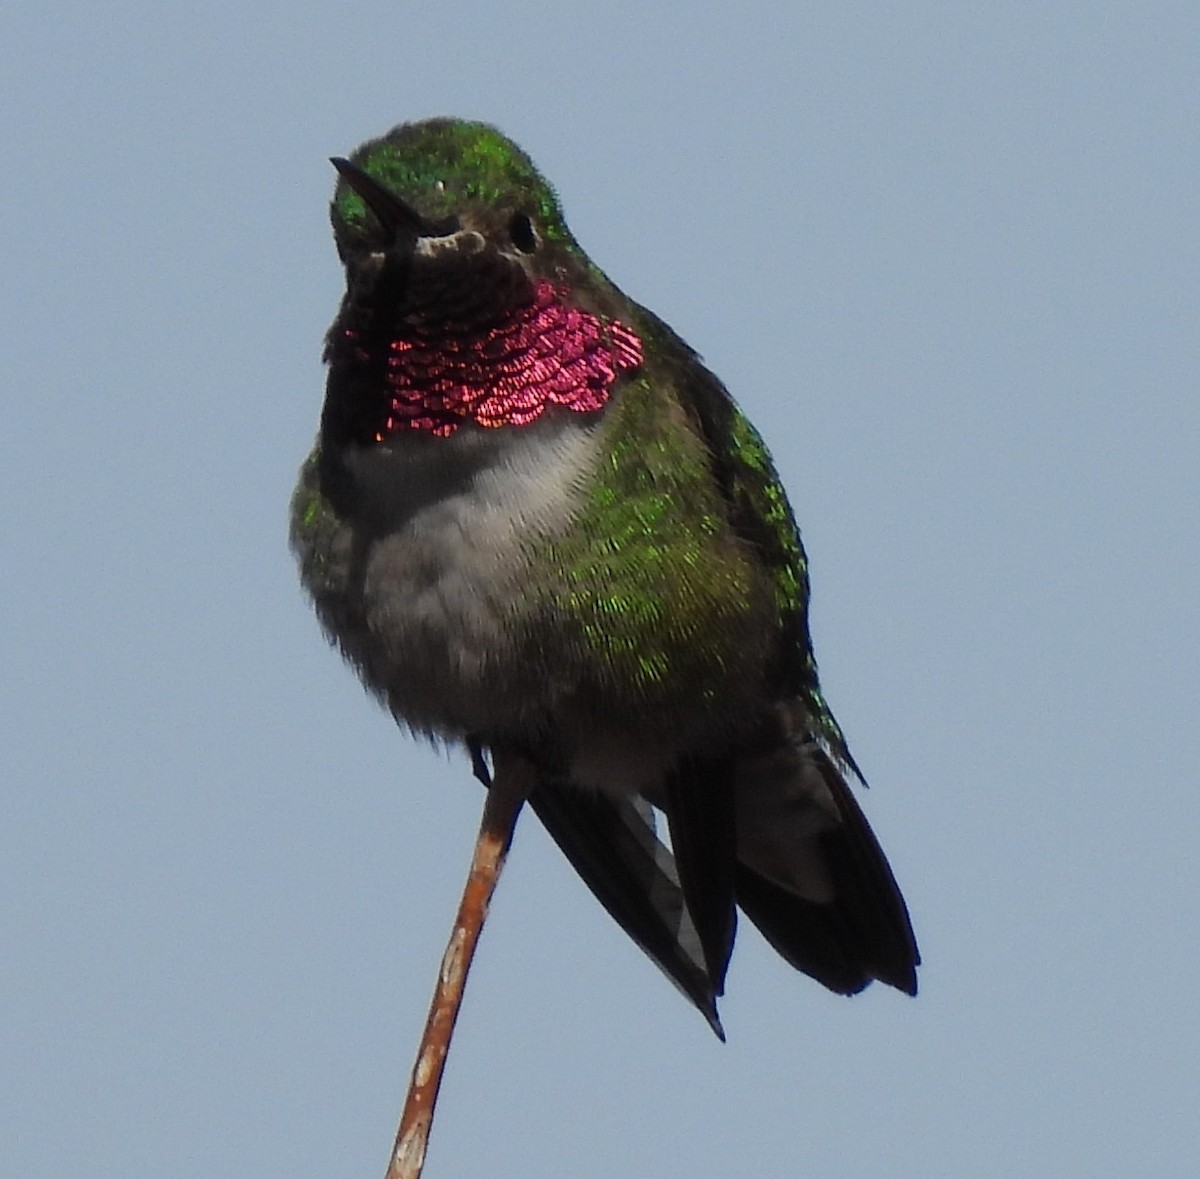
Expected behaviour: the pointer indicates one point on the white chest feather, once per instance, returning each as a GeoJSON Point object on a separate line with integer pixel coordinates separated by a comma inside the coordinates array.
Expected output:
{"type": "Point", "coordinates": [444, 589]}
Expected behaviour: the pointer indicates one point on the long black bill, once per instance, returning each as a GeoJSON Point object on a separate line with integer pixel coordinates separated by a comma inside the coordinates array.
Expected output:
{"type": "Point", "coordinates": [396, 216]}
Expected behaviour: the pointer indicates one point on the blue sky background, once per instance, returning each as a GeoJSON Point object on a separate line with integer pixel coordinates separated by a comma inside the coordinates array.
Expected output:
{"type": "Point", "coordinates": [947, 259]}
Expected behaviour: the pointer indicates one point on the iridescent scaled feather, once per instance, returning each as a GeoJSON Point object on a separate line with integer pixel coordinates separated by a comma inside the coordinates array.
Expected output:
{"type": "Point", "coordinates": [507, 372]}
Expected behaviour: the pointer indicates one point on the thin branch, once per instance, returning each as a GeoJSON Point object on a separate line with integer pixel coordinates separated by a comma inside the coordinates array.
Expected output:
{"type": "Point", "coordinates": [505, 798]}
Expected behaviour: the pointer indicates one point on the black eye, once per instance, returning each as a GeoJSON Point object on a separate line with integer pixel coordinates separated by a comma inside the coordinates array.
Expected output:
{"type": "Point", "coordinates": [520, 229]}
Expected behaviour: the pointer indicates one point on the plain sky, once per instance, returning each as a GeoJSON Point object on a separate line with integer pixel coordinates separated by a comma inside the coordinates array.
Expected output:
{"type": "Point", "coordinates": [945, 255]}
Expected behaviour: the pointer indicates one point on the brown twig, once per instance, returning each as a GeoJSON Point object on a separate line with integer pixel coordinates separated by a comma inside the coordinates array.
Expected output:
{"type": "Point", "coordinates": [505, 798]}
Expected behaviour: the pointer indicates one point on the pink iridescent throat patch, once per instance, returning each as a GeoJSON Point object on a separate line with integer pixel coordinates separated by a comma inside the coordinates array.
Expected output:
{"type": "Point", "coordinates": [546, 353]}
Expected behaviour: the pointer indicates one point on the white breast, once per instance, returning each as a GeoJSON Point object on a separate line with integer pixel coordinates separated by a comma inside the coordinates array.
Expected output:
{"type": "Point", "coordinates": [458, 521]}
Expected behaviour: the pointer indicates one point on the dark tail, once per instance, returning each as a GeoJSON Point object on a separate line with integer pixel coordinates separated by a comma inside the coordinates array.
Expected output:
{"type": "Point", "coordinates": [778, 834]}
{"type": "Point", "coordinates": [812, 876]}
{"type": "Point", "coordinates": [614, 846]}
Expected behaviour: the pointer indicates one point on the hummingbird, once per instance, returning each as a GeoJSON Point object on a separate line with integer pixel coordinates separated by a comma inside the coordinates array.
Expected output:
{"type": "Point", "coordinates": [534, 522]}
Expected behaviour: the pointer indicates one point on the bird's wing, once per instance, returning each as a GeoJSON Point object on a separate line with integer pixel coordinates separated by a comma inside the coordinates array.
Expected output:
{"type": "Point", "coordinates": [858, 927]}
{"type": "Point", "coordinates": [760, 514]}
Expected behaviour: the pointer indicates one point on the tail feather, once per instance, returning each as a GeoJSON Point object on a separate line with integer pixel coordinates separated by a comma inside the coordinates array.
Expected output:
{"type": "Point", "coordinates": [777, 833]}
{"type": "Point", "coordinates": [699, 804]}
{"type": "Point", "coordinates": [838, 915]}
{"type": "Point", "coordinates": [613, 845]}
{"type": "Point", "coordinates": [814, 938]}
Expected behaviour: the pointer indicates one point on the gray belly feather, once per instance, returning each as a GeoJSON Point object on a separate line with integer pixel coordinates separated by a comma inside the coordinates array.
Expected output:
{"type": "Point", "coordinates": [428, 596]}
